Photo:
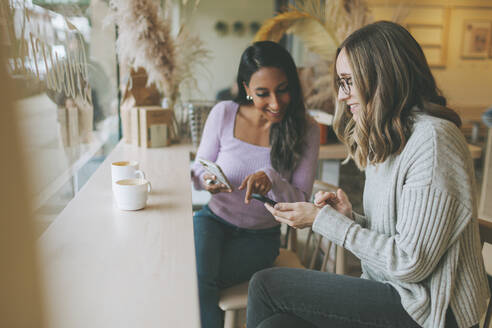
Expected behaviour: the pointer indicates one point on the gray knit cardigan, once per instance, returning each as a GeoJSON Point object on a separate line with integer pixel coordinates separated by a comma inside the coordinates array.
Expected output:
{"type": "Point", "coordinates": [420, 229]}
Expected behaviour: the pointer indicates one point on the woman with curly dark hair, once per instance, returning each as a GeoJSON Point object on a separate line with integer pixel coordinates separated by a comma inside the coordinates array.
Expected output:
{"type": "Point", "coordinates": [265, 143]}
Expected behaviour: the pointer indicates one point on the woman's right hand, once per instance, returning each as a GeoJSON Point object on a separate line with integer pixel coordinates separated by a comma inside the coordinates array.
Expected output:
{"type": "Point", "coordinates": [339, 201]}
{"type": "Point", "coordinates": [213, 186]}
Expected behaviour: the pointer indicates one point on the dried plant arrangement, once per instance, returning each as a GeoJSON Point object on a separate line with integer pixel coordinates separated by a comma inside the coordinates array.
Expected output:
{"type": "Point", "coordinates": [193, 55]}
{"type": "Point", "coordinates": [145, 39]}
{"type": "Point", "coordinates": [321, 27]}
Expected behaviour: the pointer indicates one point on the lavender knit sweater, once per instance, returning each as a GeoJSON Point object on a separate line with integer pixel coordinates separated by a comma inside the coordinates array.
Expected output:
{"type": "Point", "coordinates": [239, 159]}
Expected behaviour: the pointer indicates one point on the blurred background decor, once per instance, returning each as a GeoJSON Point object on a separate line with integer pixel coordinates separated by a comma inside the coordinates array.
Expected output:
{"type": "Point", "coordinates": [198, 111]}
{"type": "Point", "coordinates": [221, 28]}
{"type": "Point", "coordinates": [321, 26]}
{"type": "Point", "coordinates": [148, 40]}
{"type": "Point", "coordinates": [476, 38]}
{"type": "Point", "coordinates": [238, 28]}
{"type": "Point", "coordinates": [254, 27]}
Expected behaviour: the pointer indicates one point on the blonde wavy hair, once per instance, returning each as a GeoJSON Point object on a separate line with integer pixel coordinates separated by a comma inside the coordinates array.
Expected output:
{"type": "Point", "coordinates": [394, 82]}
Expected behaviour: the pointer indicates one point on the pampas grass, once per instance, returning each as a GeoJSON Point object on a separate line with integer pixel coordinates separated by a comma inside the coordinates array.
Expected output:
{"type": "Point", "coordinates": [192, 55]}
{"type": "Point", "coordinates": [145, 40]}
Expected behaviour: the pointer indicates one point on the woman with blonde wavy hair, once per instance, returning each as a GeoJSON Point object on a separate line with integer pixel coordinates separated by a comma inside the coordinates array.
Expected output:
{"type": "Point", "coordinates": [418, 241]}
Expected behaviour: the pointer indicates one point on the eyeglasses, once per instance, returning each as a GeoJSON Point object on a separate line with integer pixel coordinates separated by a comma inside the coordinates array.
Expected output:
{"type": "Point", "coordinates": [345, 83]}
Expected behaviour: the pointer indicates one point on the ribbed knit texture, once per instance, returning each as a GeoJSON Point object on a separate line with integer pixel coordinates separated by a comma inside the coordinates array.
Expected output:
{"type": "Point", "coordinates": [238, 159]}
{"type": "Point", "coordinates": [420, 232]}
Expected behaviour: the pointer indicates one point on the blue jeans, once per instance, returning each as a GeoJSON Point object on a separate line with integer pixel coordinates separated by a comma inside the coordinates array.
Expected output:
{"type": "Point", "coordinates": [225, 256]}
{"type": "Point", "coordinates": [294, 298]}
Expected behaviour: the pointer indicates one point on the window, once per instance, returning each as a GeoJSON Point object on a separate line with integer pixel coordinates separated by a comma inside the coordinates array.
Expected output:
{"type": "Point", "coordinates": [63, 58]}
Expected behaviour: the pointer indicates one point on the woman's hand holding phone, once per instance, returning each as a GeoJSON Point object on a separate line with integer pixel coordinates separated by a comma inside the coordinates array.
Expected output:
{"type": "Point", "coordinates": [213, 186]}
{"type": "Point", "coordinates": [257, 183]}
{"type": "Point", "coordinates": [297, 215]}
{"type": "Point", "coordinates": [214, 179]}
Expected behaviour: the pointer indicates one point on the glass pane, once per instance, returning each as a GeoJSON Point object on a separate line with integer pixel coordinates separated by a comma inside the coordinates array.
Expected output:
{"type": "Point", "coordinates": [63, 59]}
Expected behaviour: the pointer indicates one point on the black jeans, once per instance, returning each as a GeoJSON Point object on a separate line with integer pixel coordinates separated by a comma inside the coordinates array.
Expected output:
{"type": "Point", "coordinates": [227, 255]}
{"type": "Point", "coordinates": [284, 298]}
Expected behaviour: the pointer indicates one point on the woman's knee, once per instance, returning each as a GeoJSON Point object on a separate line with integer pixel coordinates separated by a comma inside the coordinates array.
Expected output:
{"type": "Point", "coordinates": [263, 279]}
{"type": "Point", "coordinates": [262, 276]}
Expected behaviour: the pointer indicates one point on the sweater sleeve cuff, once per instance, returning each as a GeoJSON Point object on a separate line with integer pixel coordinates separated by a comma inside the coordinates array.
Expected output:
{"type": "Point", "coordinates": [282, 190]}
{"type": "Point", "coordinates": [332, 225]}
{"type": "Point", "coordinates": [273, 176]}
{"type": "Point", "coordinates": [359, 219]}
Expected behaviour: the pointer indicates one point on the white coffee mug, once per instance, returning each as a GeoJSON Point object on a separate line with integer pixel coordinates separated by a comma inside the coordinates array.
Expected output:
{"type": "Point", "coordinates": [125, 170]}
{"type": "Point", "coordinates": [131, 194]}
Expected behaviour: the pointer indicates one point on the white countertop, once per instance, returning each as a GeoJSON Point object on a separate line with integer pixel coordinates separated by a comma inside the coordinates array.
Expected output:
{"type": "Point", "coordinates": [103, 267]}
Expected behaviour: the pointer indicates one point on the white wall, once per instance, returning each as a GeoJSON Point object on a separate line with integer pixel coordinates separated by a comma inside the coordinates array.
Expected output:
{"type": "Point", "coordinates": [225, 50]}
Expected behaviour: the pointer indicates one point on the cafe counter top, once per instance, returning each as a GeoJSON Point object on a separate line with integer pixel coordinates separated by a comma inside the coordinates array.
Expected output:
{"type": "Point", "coordinates": [104, 267]}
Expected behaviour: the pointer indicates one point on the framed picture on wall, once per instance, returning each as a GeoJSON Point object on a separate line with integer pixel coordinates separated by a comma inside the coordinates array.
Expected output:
{"type": "Point", "coordinates": [476, 39]}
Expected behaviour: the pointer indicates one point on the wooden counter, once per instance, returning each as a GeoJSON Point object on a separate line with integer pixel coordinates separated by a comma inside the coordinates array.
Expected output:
{"type": "Point", "coordinates": [104, 267]}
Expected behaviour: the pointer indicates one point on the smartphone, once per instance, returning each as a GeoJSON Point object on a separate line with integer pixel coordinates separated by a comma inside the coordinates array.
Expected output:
{"type": "Point", "coordinates": [215, 169]}
{"type": "Point", "coordinates": [263, 199]}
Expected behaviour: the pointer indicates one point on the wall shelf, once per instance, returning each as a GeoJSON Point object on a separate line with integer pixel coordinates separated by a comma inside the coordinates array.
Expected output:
{"type": "Point", "coordinates": [433, 38]}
